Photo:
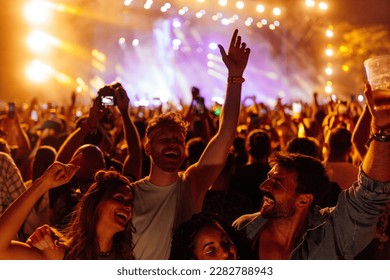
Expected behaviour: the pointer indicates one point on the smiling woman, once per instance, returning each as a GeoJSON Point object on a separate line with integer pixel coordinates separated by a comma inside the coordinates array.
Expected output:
{"type": "Point", "coordinates": [205, 237]}
{"type": "Point", "coordinates": [100, 228]}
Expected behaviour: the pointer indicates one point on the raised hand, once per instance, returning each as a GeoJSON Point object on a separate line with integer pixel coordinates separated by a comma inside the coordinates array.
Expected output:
{"type": "Point", "coordinates": [58, 173]}
{"type": "Point", "coordinates": [237, 57]}
{"type": "Point", "coordinates": [121, 97]}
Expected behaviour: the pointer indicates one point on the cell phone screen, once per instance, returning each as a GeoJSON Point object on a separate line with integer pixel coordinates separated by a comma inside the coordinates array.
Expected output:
{"type": "Point", "coordinates": [107, 100]}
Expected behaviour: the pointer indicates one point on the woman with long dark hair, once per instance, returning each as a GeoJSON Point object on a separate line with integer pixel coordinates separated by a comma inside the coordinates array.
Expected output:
{"type": "Point", "coordinates": [100, 227]}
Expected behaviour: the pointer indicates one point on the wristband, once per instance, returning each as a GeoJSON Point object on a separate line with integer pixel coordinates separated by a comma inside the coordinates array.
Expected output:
{"type": "Point", "coordinates": [235, 80]}
{"type": "Point", "coordinates": [381, 136]}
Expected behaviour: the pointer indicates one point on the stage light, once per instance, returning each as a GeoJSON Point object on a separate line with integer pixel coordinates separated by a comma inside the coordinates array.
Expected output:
{"type": "Point", "coordinates": [176, 23]}
{"type": "Point", "coordinates": [213, 46]}
{"type": "Point", "coordinates": [323, 6]}
{"type": "Point", "coordinates": [99, 55]}
{"type": "Point", "coordinates": [122, 41]}
{"type": "Point", "coordinates": [225, 21]}
{"type": "Point", "coordinates": [37, 12]}
{"type": "Point", "coordinates": [37, 41]}
{"type": "Point", "coordinates": [222, 2]}
{"type": "Point", "coordinates": [259, 25]}
{"type": "Point", "coordinates": [127, 2]}
{"type": "Point", "coordinates": [310, 3]}
{"type": "Point", "coordinates": [240, 5]}
{"type": "Point", "coordinates": [176, 42]}
{"type": "Point", "coordinates": [38, 72]}
{"type": "Point", "coordinates": [345, 68]}
{"type": "Point", "coordinates": [329, 33]}
{"type": "Point", "coordinates": [277, 11]}
{"type": "Point", "coordinates": [260, 8]}
{"type": "Point", "coordinates": [329, 70]}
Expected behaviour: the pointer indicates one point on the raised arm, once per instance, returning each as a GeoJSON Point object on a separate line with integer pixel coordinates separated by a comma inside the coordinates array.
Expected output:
{"type": "Point", "coordinates": [12, 219]}
{"type": "Point", "coordinates": [205, 171]}
{"type": "Point", "coordinates": [132, 165]}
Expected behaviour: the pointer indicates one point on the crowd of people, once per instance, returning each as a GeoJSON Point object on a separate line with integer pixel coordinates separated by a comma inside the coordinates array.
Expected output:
{"type": "Point", "coordinates": [232, 182]}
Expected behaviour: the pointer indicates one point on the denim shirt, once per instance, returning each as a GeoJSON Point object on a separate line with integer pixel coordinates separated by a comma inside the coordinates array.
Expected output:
{"type": "Point", "coordinates": [339, 232]}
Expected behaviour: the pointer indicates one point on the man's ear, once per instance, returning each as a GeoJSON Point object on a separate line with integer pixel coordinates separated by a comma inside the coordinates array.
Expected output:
{"type": "Point", "coordinates": [304, 200]}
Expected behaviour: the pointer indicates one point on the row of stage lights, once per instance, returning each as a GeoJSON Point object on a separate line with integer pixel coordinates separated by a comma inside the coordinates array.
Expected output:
{"type": "Point", "coordinates": [38, 11]}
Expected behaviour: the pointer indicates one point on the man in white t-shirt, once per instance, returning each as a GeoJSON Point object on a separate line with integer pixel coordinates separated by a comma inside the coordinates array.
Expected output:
{"type": "Point", "coordinates": [167, 197]}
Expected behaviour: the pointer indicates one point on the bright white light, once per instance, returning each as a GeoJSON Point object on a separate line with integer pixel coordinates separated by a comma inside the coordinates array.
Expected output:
{"type": "Point", "coordinates": [276, 23]}
{"type": "Point", "coordinates": [360, 98]}
{"type": "Point", "coordinates": [213, 46]}
{"type": "Point", "coordinates": [143, 102]}
{"type": "Point", "coordinates": [272, 27]}
{"type": "Point", "coordinates": [122, 41]}
{"type": "Point", "coordinates": [176, 23]}
{"type": "Point", "coordinates": [127, 2]}
{"type": "Point", "coordinates": [329, 52]}
{"type": "Point", "coordinates": [210, 64]}
{"type": "Point", "coordinates": [176, 42]}
{"type": "Point", "coordinates": [260, 8]}
{"type": "Point", "coordinates": [264, 21]}
{"type": "Point", "coordinates": [218, 99]}
{"type": "Point", "coordinates": [37, 12]}
{"type": "Point", "coordinates": [310, 3]}
{"type": "Point", "coordinates": [222, 2]}
{"type": "Point", "coordinates": [277, 11]}
{"type": "Point", "coordinates": [200, 14]}
{"type": "Point", "coordinates": [328, 70]}
{"type": "Point", "coordinates": [329, 33]}
{"type": "Point", "coordinates": [38, 72]}
{"type": "Point", "coordinates": [225, 21]}
{"type": "Point", "coordinates": [37, 41]}
{"type": "Point", "coordinates": [240, 5]}
{"type": "Point", "coordinates": [323, 6]}
{"type": "Point", "coordinates": [135, 42]}
{"type": "Point", "coordinates": [328, 89]}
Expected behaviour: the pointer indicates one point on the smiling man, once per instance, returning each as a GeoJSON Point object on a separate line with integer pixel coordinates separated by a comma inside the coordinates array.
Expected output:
{"type": "Point", "coordinates": [167, 197]}
{"type": "Point", "coordinates": [289, 225]}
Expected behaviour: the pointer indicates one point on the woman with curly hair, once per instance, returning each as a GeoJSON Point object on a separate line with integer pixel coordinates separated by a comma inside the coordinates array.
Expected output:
{"type": "Point", "coordinates": [100, 228]}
